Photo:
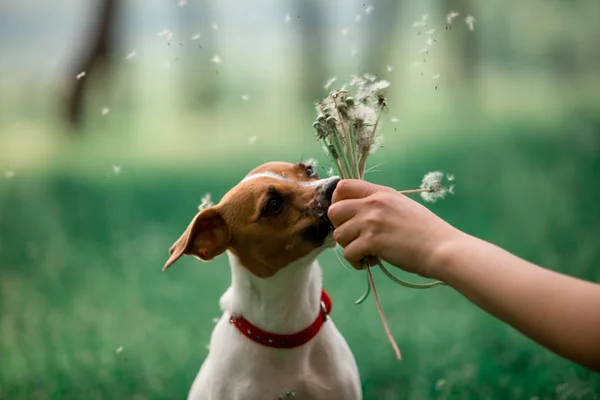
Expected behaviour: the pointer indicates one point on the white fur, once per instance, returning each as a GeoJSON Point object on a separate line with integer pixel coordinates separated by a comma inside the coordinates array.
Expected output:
{"type": "Point", "coordinates": [238, 368]}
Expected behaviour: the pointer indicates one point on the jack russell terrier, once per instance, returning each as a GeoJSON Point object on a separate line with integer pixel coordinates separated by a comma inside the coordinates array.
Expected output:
{"type": "Point", "coordinates": [275, 339]}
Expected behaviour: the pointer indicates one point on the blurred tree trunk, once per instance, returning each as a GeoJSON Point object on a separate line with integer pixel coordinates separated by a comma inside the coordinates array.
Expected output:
{"type": "Point", "coordinates": [94, 61]}
{"type": "Point", "coordinates": [381, 32]}
{"type": "Point", "coordinates": [313, 64]}
{"type": "Point", "coordinates": [199, 79]}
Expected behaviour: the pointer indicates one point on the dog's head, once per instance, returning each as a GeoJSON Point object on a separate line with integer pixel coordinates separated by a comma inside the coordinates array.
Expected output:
{"type": "Point", "coordinates": [276, 215]}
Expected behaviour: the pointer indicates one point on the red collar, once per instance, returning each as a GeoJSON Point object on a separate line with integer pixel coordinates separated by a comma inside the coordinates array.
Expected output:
{"type": "Point", "coordinates": [284, 341]}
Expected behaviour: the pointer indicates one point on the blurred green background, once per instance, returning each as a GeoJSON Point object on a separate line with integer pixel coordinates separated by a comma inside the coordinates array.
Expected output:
{"type": "Point", "coordinates": [99, 176]}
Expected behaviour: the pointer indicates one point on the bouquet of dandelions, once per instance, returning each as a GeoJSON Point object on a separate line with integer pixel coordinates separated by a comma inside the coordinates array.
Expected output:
{"type": "Point", "coordinates": [347, 126]}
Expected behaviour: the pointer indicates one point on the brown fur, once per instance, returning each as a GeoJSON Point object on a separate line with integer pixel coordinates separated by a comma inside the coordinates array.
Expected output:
{"type": "Point", "coordinates": [264, 245]}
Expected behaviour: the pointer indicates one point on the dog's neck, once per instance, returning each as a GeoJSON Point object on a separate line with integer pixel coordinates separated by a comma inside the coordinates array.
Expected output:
{"type": "Point", "coordinates": [285, 303]}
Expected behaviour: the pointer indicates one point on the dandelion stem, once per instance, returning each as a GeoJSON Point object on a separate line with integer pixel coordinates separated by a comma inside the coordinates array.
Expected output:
{"type": "Point", "coordinates": [386, 326]}
{"type": "Point", "coordinates": [407, 284]}
{"type": "Point", "coordinates": [365, 154]}
{"type": "Point", "coordinates": [414, 191]}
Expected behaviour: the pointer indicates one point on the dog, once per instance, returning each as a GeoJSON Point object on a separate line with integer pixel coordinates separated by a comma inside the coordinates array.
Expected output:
{"type": "Point", "coordinates": [275, 339]}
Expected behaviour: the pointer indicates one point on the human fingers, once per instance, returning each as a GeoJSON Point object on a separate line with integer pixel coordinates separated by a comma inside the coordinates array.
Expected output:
{"type": "Point", "coordinates": [346, 233]}
{"type": "Point", "coordinates": [341, 212]}
{"type": "Point", "coordinates": [357, 250]}
{"type": "Point", "coordinates": [352, 189]}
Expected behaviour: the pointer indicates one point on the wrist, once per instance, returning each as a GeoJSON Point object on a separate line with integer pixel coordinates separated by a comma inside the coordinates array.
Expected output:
{"type": "Point", "coordinates": [441, 259]}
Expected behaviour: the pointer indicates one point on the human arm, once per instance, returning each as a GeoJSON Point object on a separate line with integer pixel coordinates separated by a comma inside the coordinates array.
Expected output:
{"type": "Point", "coordinates": [559, 312]}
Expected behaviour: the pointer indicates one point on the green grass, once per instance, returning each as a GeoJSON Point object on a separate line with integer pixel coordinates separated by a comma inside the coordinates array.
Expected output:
{"type": "Point", "coordinates": [81, 274]}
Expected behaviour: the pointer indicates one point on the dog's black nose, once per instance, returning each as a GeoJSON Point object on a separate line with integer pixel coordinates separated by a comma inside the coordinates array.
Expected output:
{"type": "Point", "coordinates": [330, 188]}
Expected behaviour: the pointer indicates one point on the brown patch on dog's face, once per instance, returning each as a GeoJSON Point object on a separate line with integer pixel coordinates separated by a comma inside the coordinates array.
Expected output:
{"type": "Point", "coordinates": [274, 217]}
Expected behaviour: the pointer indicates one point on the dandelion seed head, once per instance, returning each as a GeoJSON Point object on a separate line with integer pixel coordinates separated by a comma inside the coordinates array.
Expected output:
{"type": "Point", "coordinates": [377, 143]}
{"type": "Point", "coordinates": [116, 169]}
{"type": "Point", "coordinates": [105, 111]}
{"type": "Point", "coordinates": [329, 83]}
{"type": "Point", "coordinates": [216, 59]}
{"type": "Point", "coordinates": [205, 202]}
{"type": "Point", "coordinates": [369, 10]}
{"type": "Point", "coordinates": [119, 349]}
{"type": "Point", "coordinates": [245, 97]}
{"type": "Point", "coordinates": [130, 55]}
{"type": "Point", "coordinates": [195, 36]}
{"type": "Point", "coordinates": [432, 182]}
{"type": "Point", "coordinates": [9, 174]}
{"type": "Point", "coordinates": [80, 75]}
{"type": "Point", "coordinates": [470, 21]}
{"type": "Point", "coordinates": [252, 139]}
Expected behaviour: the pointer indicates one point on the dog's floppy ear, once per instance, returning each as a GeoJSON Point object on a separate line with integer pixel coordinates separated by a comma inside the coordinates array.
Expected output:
{"type": "Point", "coordinates": [206, 237]}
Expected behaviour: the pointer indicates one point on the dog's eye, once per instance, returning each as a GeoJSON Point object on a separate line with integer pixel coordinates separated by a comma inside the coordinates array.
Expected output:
{"type": "Point", "coordinates": [310, 171]}
{"type": "Point", "coordinates": [273, 206]}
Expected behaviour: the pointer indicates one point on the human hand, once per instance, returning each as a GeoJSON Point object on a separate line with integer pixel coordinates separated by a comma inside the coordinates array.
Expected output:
{"type": "Point", "coordinates": [375, 220]}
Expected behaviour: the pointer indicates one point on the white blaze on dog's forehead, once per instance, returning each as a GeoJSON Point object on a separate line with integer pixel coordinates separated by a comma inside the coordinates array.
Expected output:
{"type": "Point", "coordinates": [282, 178]}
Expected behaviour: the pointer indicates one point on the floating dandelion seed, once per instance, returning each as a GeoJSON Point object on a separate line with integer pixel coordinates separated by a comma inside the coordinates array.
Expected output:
{"type": "Point", "coordinates": [419, 24]}
{"type": "Point", "coordinates": [164, 32]}
{"type": "Point", "coordinates": [216, 59]}
{"type": "Point", "coordinates": [9, 174]}
{"type": "Point", "coordinates": [195, 36]}
{"type": "Point", "coordinates": [215, 320]}
{"type": "Point", "coordinates": [450, 17]}
{"type": "Point", "coordinates": [435, 77]}
{"type": "Point", "coordinates": [353, 52]}
{"type": "Point", "coordinates": [330, 172]}
{"type": "Point", "coordinates": [80, 75]}
{"type": "Point", "coordinates": [369, 10]}
{"type": "Point", "coordinates": [389, 68]}
{"type": "Point", "coordinates": [430, 41]}
{"type": "Point", "coordinates": [358, 18]}
{"type": "Point", "coordinates": [287, 18]}
{"type": "Point", "coordinates": [344, 32]}
{"type": "Point", "coordinates": [450, 177]}
{"type": "Point", "coordinates": [244, 97]}
{"type": "Point", "coordinates": [105, 111]}
{"type": "Point", "coordinates": [470, 21]}
{"type": "Point", "coordinates": [119, 349]}
{"type": "Point", "coordinates": [181, 3]}
{"type": "Point", "coordinates": [424, 50]}
{"type": "Point", "coordinates": [430, 32]}
{"type": "Point", "coordinates": [116, 169]}
{"type": "Point", "coordinates": [205, 202]}
{"type": "Point", "coordinates": [329, 83]}
{"type": "Point", "coordinates": [215, 27]}
{"type": "Point", "coordinates": [207, 347]}
{"type": "Point", "coordinates": [252, 139]}
{"type": "Point", "coordinates": [394, 119]}
{"type": "Point", "coordinates": [130, 55]}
